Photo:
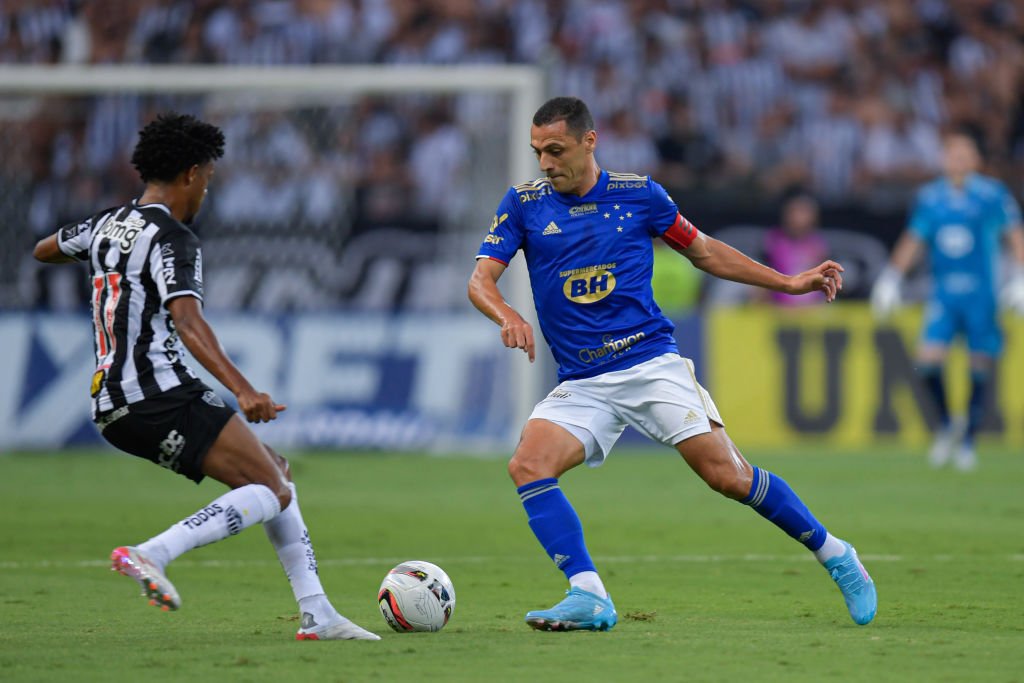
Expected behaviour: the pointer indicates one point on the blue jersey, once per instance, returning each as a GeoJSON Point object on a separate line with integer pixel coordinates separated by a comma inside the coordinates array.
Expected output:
{"type": "Point", "coordinates": [590, 260]}
{"type": "Point", "coordinates": [963, 228]}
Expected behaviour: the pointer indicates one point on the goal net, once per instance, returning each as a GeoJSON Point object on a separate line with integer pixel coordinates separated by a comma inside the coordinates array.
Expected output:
{"type": "Point", "coordinates": [361, 192]}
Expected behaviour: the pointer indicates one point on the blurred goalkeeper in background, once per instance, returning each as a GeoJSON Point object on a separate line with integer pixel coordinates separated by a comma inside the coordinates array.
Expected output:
{"type": "Point", "coordinates": [587, 236]}
{"type": "Point", "coordinates": [962, 220]}
{"type": "Point", "coordinates": [147, 289]}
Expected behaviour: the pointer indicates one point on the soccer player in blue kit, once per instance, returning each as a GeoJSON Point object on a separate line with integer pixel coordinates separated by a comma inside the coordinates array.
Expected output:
{"type": "Point", "coordinates": [961, 220]}
{"type": "Point", "coordinates": [587, 235]}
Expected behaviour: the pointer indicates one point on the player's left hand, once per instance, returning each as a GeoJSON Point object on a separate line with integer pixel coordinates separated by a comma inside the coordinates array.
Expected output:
{"type": "Point", "coordinates": [826, 277]}
{"type": "Point", "coordinates": [1013, 293]}
{"type": "Point", "coordinates": [258, 406]}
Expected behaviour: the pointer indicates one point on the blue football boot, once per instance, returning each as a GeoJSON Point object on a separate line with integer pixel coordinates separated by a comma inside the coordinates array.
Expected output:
{"type": "Point", "coordinates": [856, 585]}
{"type": "Point", "coordinates": [579, 611]}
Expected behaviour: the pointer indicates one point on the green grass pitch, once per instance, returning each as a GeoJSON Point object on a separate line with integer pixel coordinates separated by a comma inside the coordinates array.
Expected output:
{"type": "Point", "coordinates": [706, 589]}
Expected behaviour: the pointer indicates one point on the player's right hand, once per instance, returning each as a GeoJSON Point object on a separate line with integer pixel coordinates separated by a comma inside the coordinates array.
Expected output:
{"type": "Point", "coordinates": [885, 295]}
{"type": "Point", "coordinates": [258, 406]}
{"type": "Point", "coordinates": [516, 333]}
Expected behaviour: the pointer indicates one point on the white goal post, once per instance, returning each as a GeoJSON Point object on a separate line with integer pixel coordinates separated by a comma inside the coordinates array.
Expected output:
{"type": "Point", "coordinates": [524, 86]}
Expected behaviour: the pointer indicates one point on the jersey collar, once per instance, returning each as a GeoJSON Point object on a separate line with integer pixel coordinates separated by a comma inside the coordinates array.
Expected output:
{"type": "Point", "coordinates": [596, 191]}
{"type": "Point", "coordinates": [154, 205]}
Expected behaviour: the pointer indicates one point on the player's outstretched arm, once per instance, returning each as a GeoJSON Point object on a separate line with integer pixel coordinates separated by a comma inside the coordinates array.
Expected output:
{"type": "Point", "coordinates": [202, 343]}
{"type": "Point", "coordinates": [516, 333]}
{"type": "Point", "coordinates": [47, 251]}
{"type": "Point", "coordinates": [885, 293]}
{"type": "Point", "coordinates": [721, 260]}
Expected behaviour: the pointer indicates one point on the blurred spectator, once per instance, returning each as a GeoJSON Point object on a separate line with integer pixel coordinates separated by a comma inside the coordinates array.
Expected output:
{"type": "Point", "coordinates": [689, 158]}
{"type": "Point", "coordinates": [623, 146]}
{"type": "Point", "coordinates": [796, 245]}
{"type": "Point", "coordinates": [729, 101]}
{"type": "Point", "coordinates": [438, 161]}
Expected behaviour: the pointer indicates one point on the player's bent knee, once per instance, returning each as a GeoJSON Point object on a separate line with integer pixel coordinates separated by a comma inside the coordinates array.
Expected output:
{"type": "Point", "coordinates": [523, 470]}
{"type": "Point", "coordinates": [727, 482]}
{"type": "Point", "coordinates": [280, 461]}
{"type": "Point", "coordinates": [284, 496]}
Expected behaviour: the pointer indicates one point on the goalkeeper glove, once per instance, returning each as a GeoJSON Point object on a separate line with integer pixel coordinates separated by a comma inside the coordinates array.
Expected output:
{"type": "Point", "coordinates": [1013, 291]}
{"type": "Point", "coordinates": [885, 295]}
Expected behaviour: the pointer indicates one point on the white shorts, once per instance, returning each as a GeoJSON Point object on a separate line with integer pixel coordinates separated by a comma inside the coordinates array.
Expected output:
{"type": "Point", "coordinates": [660, 398]}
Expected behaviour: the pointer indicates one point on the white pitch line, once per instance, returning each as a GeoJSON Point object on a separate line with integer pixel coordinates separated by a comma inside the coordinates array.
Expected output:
{"type": "Point", "coordinates": [15, 565]}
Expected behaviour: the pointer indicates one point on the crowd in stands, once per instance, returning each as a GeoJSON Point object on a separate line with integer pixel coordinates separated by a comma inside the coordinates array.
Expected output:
{"type": "Point", "coordinates": [736, 99]}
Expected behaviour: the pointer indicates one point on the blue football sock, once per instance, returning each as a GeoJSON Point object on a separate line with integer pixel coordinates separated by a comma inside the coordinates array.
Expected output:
{"type": "Point", "coordinates": [936, 386]}
{"type": "Point", "coordinates": [976, 407]}
{"type": "Point", "coordinates": [771, 496]}
{"type": "Point", "coordinates": [556, 525]}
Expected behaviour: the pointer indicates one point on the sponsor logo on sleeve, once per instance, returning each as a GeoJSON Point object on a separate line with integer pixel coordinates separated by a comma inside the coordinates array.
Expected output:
{"type": "Point", "coordinates": [167, 260]}
{"type": "Point", "coordinates": [498, 220]}
{"type": "Point", "coordinates": [199, 270]}
{"type": "Point", "coordinates": [73, 231]}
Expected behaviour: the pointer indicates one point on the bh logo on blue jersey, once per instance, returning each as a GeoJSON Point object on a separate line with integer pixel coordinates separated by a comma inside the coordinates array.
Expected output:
{"type": "Point", "coordinates": [587, 285]}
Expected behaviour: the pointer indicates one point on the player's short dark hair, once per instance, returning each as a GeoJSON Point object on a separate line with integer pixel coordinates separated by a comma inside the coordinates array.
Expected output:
{"type": "Point", "coordinates": [572, 110]}
{"type": "Point", "coordinates": [172, 143]}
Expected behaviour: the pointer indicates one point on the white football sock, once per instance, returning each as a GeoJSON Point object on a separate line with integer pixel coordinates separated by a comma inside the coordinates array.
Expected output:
{"type": "Point", "coordinates": [590, 582]}
{"type": "Point", "coordinates": [287, 533]}
{"type": "Point", "coordinates": [236, 510]}
{"type": "Point", "coordinates": [832, 547]}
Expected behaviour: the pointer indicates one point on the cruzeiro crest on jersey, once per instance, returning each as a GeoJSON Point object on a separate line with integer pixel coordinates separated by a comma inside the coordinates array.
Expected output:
{"type": "Point", "coordinates": [123, 231]}
{"type": "Point", "coordinates": [590, 284]}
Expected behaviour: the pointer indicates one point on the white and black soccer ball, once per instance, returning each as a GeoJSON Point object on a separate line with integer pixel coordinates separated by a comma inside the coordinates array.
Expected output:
{"type": "Point", "coordinates": [416, 596]}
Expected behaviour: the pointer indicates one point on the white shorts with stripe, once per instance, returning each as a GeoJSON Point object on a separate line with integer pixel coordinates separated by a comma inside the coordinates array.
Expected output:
{"type": "Point", "coordinates": [660, 398]}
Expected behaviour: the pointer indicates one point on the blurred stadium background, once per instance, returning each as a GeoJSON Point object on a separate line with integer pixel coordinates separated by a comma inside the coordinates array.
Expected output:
{"type": "Point", "coordinates": [342, 223]}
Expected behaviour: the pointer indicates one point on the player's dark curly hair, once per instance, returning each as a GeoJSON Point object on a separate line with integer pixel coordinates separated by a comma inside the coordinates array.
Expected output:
{"type": "Point", "coordinates": [173, 143]}
{"type": "Point", "coordinates": [572, 110]}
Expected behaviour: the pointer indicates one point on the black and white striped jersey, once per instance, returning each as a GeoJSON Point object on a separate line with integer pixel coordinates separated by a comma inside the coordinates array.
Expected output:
{"type": "Point", "coordinates": [140, 257]}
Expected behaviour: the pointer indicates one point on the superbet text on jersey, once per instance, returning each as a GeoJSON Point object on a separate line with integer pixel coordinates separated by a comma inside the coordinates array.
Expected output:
{"type": "Point", "coordinates": [590, 260]}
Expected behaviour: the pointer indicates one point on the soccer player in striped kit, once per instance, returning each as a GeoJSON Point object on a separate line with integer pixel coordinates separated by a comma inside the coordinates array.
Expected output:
{"type": "Point", "coordinates": [587, 236]}
{"type": "Point", "coordinates": [147, 291]}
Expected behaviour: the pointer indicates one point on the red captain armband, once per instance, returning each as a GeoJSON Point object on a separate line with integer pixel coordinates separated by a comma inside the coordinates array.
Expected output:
{"type": "Point", "coordinates": [491, 258]}
{"type": "Point", "coordinates": [681, 234]}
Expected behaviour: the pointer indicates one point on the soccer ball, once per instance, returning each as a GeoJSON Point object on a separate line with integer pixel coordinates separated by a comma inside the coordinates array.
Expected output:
{"type": "Point", "coordinates": [416, 596]}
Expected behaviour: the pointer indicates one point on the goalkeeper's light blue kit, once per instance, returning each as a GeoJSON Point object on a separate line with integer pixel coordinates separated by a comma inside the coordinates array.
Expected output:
{"type": "Point", "coordinates": [963, 229]}
{"type": "Point", "coordinates": [590, 260]}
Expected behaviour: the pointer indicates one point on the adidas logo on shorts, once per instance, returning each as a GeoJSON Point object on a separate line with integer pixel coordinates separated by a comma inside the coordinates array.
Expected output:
{"type": "Point", "coordinates": [691, 417]}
